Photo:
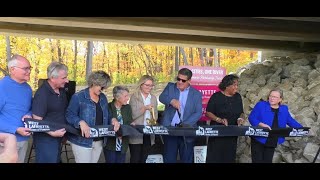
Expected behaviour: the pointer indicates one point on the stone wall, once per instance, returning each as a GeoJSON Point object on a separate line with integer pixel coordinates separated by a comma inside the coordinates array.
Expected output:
{"type": "Point", "coordinates": [298, 75]}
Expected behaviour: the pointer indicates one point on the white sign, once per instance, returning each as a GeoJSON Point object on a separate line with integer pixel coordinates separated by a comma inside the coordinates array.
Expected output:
{"type": "Point", "coordinates": [155, 158]}
{"type": "Point", "coordinates": [200, 154]}
{"type": "Point", "coordinates": [298, 133]}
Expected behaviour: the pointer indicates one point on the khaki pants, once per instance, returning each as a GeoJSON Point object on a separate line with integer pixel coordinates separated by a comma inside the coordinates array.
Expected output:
{"type": "Point", "coordinates": [22, 148]}
{"type": "Point", "coordinates": [87, 155]}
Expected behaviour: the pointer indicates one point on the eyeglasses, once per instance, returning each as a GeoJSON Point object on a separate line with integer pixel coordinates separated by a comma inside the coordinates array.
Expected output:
{"type": "Point", "coordinates": [149, 85]}
{"type": "Point", "coordinates": [183, 80]}
{"type": "Point", "coordinates": [24, 68]}
{"type": "Point", "coordinates": [274, 97]}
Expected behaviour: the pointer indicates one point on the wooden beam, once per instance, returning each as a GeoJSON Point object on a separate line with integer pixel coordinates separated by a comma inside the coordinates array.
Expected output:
{"type": "Point", "coordinates": [152, 37]}
{"type": "Point", "coordinates": [237, 27]}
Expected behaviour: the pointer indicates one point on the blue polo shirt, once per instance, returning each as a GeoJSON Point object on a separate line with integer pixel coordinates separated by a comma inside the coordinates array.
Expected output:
{"type": "Point", "coordinates": [50, 105]}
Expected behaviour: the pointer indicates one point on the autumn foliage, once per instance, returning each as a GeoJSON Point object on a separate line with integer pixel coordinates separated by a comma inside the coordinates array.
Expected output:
{"type": "Point", "coordinates": [126, 63]}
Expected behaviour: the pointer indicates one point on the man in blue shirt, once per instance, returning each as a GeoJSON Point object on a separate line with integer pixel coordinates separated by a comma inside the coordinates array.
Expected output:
{"type": "Point", "coordinates": [15, 102]}
{"type": "Point", "coordinates": [183, 105]}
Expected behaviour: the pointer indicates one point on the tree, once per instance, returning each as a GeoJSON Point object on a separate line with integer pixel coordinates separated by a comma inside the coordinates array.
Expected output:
{"type": "Point", "coordinates": [8, 51]}
{"type": "Point", "coordinates": [176, 59]}
{"type": "Point", "coordinates": [181, 50]}
{"type": "Point", "coordinates": [59, 51]}
{"type": "Point", "coordinates": [75, 59]}
{"type": "Point", "coordinates": [89, 59]}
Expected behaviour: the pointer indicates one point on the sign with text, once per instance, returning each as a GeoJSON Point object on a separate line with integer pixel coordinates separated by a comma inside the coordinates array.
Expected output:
{"type": "Point", "coordinates": [206, 75]}
{"type": "Point", "coordinates": [207, 91]}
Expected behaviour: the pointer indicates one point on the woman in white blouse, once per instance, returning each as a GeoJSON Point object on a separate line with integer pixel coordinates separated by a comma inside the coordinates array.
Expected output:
{"type": "Point", "coordinates": [144, 107]}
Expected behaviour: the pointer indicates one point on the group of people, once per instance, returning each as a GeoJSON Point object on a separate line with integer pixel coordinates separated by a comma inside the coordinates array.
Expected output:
{"type": "Point", "coordinates": [226, 108]}
{"type": "Point", "coordinates": [86, 108]}
{"type": "Point", "coordinates": [89, 107]}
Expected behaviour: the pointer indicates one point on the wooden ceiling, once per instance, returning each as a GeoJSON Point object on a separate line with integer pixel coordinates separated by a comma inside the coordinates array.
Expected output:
{"type": "Point", "coordinates": [261, 33]}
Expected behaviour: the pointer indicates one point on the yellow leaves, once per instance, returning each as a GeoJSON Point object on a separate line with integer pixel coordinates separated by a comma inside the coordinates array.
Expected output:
{"type": "Point", "coordinates": [232, 60]}
{"type": "Point", "coordinates": [133, 61]}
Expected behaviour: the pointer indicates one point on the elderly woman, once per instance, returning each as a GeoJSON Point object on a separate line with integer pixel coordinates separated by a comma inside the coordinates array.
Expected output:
{"type": "Point", "coordinates": [89, 107]}
{"type": "Point", "coordinates": [142, 103]}
{"type": "Point", "coordinates": [116, 148]}
{"type": "Point", "coordinates": [225, 108]}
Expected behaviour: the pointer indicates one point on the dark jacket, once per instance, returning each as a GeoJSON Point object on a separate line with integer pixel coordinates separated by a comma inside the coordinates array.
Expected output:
{"type": "Point", "coordinates": [193, 108]}
{"type": "Point", "coordinates": [126, 113]}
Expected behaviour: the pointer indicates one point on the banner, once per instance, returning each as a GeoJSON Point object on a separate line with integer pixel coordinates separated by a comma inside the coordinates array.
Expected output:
{"type": "Point", "coordinates": [207, 91]}
{"type": "Point", "coordinates": [206, 75]}
{"type": "Point", "coordinates": [206, 80]}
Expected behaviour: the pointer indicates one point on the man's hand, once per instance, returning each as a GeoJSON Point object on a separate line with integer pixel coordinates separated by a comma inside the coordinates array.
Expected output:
{"type": "Point", "coordinates": [57, 133]}
{"type": "Point", "coordinates": [175, 103]}
{"type": "Point", "coordinates": [26, 116]}
{"type": "Point", "coordinates": [9, 153]}
{"type": "Point", "coordinates": [23, 131]}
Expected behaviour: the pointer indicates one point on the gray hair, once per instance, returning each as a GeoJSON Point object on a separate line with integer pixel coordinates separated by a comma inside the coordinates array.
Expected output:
{"type": "Point", "coordinates": [13, 61]}
{"type": "Point", "coordinates": [99, 78]}
{"type": "Point", "coordinates": [118, 90]}
{"type": "Point", "coordinates": [54, 68]}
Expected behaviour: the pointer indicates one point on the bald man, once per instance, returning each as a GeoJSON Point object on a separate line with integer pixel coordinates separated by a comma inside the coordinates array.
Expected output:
{"type": "Point", "coordinates": [15, 103]}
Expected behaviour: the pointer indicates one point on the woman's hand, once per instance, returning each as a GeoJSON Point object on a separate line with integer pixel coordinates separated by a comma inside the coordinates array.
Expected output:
{"type": "Point", "coordinates": [133, 124]}
{"type": "Point", "coordinates": [148, 107]}
{"type": "Point", "coordinates": [223, 121]}
{"type": "Point", "coordinates": [240, 121]}
{"type": "Point", "coordinates": [85, 129]}
{"type": "Point", "coordinates": [264, 125]}
{"type": "Point", "coordinates": [116, 124]}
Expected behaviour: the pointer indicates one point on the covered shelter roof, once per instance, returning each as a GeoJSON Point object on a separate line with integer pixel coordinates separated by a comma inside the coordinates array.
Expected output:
{"type": "Point", "coordinates": [263, 33]}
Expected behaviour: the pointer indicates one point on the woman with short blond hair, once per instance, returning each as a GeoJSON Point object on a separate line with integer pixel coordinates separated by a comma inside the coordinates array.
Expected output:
{"type": "Point", "coordinates": [87, 108]}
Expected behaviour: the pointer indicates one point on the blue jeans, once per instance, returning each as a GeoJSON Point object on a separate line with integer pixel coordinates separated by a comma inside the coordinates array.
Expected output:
{"type": "Point", "coordinates": [171, 146]}
{"type": "Point", "coordinates": [47, 148]}
{"type": "Point", "coordinates": [114, 156]}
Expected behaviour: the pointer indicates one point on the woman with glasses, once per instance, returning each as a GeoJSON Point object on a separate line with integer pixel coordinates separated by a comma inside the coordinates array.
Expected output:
{"type": "Point", "coordinates": [269, 114]}
{"type": "Point", "coordinates": [87, 108]}
{"type": "Point", "coordinates": [144, 106]}
{"type": "Point", "coordinates": [224, 108]}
